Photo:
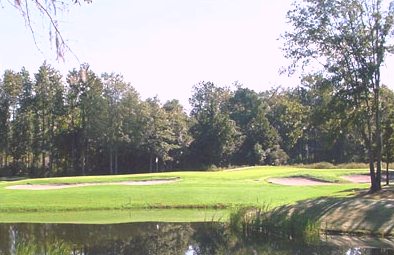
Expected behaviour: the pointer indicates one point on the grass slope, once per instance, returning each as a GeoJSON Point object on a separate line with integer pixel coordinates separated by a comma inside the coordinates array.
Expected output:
{"type": "Point", "coordinates": [360, 214]}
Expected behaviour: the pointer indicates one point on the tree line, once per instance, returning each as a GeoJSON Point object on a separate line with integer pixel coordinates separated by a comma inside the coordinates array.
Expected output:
{"type": "Point", "coordinates": [85, 123]}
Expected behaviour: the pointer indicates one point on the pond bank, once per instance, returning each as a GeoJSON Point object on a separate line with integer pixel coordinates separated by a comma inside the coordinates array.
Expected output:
{"type": "Point", "coordinates": [369, 214]}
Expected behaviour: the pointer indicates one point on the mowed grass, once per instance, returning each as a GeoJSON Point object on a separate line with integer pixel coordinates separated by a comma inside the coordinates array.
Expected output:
{"type": "Point", "coordinates": [117, 216]}
{"type": "Point", "coordinates": [193, 190]}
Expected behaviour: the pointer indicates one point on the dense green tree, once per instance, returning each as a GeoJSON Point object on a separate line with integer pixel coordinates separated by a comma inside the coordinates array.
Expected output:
{"type": "Point", "coordinates": [3, 126]}
{"type": "Point", "coordinates": [86, 100]}
{"type": "Point", "coordinates": [387, 96]}
{"type": "Point", "coordinates": [9, 93]}
{"type": "Point", "coordinates": [349, 38]}
{"type": "Point", "coordinates": [259, 138]}
{"type": "Point", "coordinates": [159, 137]}
{"type": "Point", "coordinates": [48, 108]}
{"type": "Point", "coordinates": [388, 143]}
{"type": "Point", "coordinates": [132, 128]}
{"type": "Point", "coordinates": [179, 124]}
{"type": "Point", "coordinates": [114, 89]}
{"type": "Point", "coordinates": [95, 125]}
{"type": "Point", "coordinates": [288, 116]}
{"type": "Point", "coordinates": [215, 134]}
{"type": "Point", "coordinates": [22, 137]}
{"type": "Point", "coordinates": [329, 135]}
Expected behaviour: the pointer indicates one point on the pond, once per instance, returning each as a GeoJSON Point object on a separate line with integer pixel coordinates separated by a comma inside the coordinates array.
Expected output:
{"type": "Point", "coordinates": [170, 238]}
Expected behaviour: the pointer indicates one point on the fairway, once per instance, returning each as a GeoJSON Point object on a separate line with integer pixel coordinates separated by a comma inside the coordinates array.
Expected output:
{"type": "Point", "coordinates": [198, 190]}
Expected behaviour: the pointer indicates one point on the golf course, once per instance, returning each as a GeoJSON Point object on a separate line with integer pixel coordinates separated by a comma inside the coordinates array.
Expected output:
{"type": "Point", "coordinates": [183, 196]}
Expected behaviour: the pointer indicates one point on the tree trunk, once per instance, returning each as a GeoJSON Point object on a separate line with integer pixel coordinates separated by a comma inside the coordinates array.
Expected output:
{"type": "Point", "coordinates": [387, 171]}
{"type": "Point", "coordinates": [83, 162]}
{"type": "Point", "coordinates": [378, 139]}
{"type": "Point", "coordinates": [73, 154]}
{"type": "Point", "coordinates": [374, 186]}
{"type": "Point", "coordinates": [43, 156]}
{"type": "Point", "coordinates": [368, 142]}
{"type": "Point", "coordinates": [157, 164]}
{"type": "Point", "coordinates": [6, 159]}
{"type": "Point", "coordinates": [116, 161]}
{"type": "Point", "coordinates": [28, 160]}
{"type": "Point", "coordinates": [51, 146]}
{"type": "Point", "coordinates": [150, 163]}
{"type": "Point", "coordinates": [110, 160]}
{"type": "Point", "coordinates": [35, 159]}
{"type": "Point", "coordinates": [43, 143]}
{"type": "Point", "coordinates": [84, 150]}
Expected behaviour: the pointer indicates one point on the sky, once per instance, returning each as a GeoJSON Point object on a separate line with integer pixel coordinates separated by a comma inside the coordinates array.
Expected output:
{"type": "Point", "coordinates": [162, 48]}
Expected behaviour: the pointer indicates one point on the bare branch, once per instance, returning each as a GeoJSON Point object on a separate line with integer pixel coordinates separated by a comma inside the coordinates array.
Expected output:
{"type": "Point", "coordinates": [49, 10]}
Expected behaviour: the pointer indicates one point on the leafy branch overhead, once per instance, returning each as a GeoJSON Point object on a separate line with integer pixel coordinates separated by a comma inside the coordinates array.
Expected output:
{"type": "Point", "coordinates": [49, 10]}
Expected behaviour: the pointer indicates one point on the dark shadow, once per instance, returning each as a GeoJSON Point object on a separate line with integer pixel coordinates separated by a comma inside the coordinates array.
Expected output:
{"type": "Point", "coordinates": [357, 214]}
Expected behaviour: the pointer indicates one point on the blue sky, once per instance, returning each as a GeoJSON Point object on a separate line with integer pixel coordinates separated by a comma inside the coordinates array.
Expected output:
{"type": "Point", "coordinates": [161, 47]}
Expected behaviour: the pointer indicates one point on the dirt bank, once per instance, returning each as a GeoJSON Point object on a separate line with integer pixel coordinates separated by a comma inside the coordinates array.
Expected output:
{"type": "Point", "coordinates": [297, 181]}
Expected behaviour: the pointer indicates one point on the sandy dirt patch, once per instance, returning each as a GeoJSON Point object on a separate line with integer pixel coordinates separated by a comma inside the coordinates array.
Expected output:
{"type": "Point", "coordinates": [65, 185]}
{"type": "Point", "coordinates": [387, 193]}
{"type": "Point", "coordinates": [357, 178]}
{"type": "Point", "coordinates": [297, 181]}
{"type": "Point", "coordinates": [362, 241]}
{"type": "Point", "coordinates": [365, 178]}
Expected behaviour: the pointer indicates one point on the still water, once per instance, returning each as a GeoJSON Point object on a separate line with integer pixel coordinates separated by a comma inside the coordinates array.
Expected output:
{"type": "Point", "coordinates": [169, 238]}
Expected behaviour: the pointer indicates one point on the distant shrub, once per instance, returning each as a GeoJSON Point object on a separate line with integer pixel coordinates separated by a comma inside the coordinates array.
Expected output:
{"type": "Point", "coordinates": [353, 165]}
{"type": "Point", "coordinates": [212, 167]}
{"type": "Point", "coordinates": [319, 165]}
{"type": "Point", "coordinates": [328, 165]}
{"type": "Point", "coordinates": [323, 165]}
{"type": "Point", "coordinates": [277, 157]}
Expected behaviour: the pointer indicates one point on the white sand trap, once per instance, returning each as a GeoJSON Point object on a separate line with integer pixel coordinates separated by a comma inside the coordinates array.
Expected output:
{"type": "Point", "coordinates": [365, 178]}
{"type": "Point", "coordinates": [65, 185]}
{"type": "Point", "coordinates": [297, 181]}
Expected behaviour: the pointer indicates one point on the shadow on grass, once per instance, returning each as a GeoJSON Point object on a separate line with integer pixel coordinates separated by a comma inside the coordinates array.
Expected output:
{"type": "Point", "coordinates": [306, 220]}
{"type": "Point", "coordinates": [358, 214]}
{"type": "Point", "coordinates": [9, 179]}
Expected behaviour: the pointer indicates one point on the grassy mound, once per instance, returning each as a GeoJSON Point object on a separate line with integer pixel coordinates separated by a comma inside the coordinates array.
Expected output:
{"type": "Point", "coordinates": [363, 213]}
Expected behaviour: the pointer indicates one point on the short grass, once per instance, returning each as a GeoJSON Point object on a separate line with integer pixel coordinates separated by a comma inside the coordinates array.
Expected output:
{"type": "Point", "coordinates": [117, 216]}
{"type": "Point", "coordinates": [194, 190]}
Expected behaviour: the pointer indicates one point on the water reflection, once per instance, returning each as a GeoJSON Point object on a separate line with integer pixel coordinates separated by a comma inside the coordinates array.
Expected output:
{"type": "Point", "coordinates": [157, 238]}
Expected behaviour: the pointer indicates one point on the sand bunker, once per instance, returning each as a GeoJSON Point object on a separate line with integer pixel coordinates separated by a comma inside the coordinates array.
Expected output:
{"type": "Point", "coordinates": [65, 185]}
{"type": "Point", "coordinates": [365, 178]}
{"type": "Point", "coordinates": [297, 181]}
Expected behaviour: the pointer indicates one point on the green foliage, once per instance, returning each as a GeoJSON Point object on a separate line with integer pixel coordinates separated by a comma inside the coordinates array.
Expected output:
{"type": "Point", "coordinates": [95, 124]}
{"type": "Point", "coordinates": [269, 223]}
{"type": "Point", "coordinates": [215, 134]}
{"type": "Point", "coordinates": [353, 166]}
{"type": "Point", "coordinates": [320, 165]}
{"type": "Point", "coordinates": [328, 165]}
{"type": "Point", "coordinates": [260, 139]}
{"type": "Point", "coordinates": [53, 247]}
